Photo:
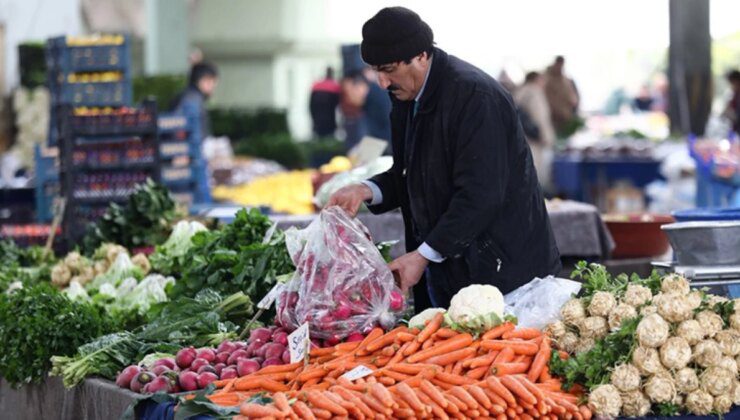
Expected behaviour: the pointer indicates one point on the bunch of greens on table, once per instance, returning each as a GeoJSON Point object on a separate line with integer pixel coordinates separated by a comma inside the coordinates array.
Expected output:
{"type": "Point", "coordinates": [596, 278]}
{"type": "Point", "coordinates": [207, 319]}
{"type": "Point", "coordinates": [244, 256]}
{"type": "Point", "coordinates": [27, 266]}
{"type": "Point", "coordinates": [37, 322]}
{"type": "Point", "coordinates": [143, 221]}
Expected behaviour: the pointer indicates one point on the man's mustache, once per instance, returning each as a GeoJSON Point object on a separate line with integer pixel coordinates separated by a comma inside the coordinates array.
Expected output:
{"type": "Point", "coordinates": [393, 88]}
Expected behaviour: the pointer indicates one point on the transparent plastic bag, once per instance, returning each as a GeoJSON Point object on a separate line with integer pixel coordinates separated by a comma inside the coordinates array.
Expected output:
{"type": "Point", "coordinates": [341, 285]}
{"type": "Point", "coordinates": [538, 302]}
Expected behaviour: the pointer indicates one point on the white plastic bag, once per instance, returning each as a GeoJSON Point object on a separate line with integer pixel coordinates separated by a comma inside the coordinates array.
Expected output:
{"type": "Point", "coordinates": [538, 302]}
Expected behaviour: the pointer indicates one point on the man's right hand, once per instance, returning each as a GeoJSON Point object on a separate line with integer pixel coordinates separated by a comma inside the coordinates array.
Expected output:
{"type": "Point", "coordinates": [350, 198]}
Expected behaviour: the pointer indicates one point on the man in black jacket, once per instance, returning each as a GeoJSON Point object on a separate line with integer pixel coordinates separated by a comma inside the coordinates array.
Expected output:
{"type": "Point", "coordinates": [462, 171]}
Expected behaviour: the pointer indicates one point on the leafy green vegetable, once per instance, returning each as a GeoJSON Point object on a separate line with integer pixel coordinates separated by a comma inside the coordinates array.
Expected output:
{"type": "Point", "coordinates": [597, 279]}
{"type": "Point", "coordinates": [121, 269]}
{"type": "Point", "coordinates": [143, 221]}
{"type": "Point", "coordinates": [235, 258]}
{"type": "Point", "coordinates": [169, 257]}
{"type": "Point", "coordinates": [593, 367]}
{"type": "Point", "coordinates": [38, 322]}
{"type": "Point", "coordinates": [25, 265]}
{"type": "Point", "coordinates": [200, 321]}
{"type": "Point", "coordinates": [666, 409]}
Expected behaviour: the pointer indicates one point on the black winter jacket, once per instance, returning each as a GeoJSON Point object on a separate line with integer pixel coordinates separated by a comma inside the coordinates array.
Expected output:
{"type": "Point", "coordinates": [467, 186]}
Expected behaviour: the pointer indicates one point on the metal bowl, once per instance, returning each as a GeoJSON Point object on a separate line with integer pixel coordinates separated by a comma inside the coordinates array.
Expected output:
{"type": "Point", "coordinates": [705, 242]}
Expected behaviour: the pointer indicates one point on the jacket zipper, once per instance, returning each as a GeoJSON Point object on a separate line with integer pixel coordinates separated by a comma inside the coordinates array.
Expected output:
{"type": "Point", "coordinates": [498, 266]}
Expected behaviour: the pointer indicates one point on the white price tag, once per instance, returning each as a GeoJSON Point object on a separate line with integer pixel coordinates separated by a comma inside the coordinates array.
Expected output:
{"type": "Point", "coordinates": [299, 343]}
{"type": "Point", "coordinates": [357, 373]}
{"type": "Point", "coordinates": [270, 297]}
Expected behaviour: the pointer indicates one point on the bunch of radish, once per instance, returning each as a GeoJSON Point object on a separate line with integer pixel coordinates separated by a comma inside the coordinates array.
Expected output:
{"type": "Point", "coordinates": [193, 369]}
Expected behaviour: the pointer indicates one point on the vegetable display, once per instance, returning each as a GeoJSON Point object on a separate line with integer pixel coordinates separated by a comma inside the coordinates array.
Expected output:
{"type": "Point", "coordinates": [169, 258]}
{"type": "Point", "coordinates": [649, 346]}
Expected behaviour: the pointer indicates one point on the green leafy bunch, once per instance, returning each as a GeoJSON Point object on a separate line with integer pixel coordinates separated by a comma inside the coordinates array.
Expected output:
{"type": "Point", "coordinates": [28, 265]}
{"type": "Point", "coordinates": [596, 278]}
{"type": "Point", "coordinates": [38, 322]}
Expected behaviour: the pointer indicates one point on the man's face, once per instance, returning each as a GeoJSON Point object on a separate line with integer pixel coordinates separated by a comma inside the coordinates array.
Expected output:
{"type": "Point", "coordinates": [207, 85]}
{"type": "Point", "coordinates": [403, 80]}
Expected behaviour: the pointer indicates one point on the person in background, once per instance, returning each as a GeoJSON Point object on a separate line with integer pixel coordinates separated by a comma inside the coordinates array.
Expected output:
{"type": "Point", "coordinates": [644, 99]}
{"type": "Point", "coordinates": [561, 95]}
{"type": "Point", "coordinates": [377, 108]}
{"type": "Point", "coordinates": [462, 173]}
{"type": "Point", "coordinates": [530, 98]}
{"type": "Point", "coordinates": [732, 110]}
{"type": "Point", "coordinates": [351, 103]}
{"type": "Point", "coordinates": [323, 104]}
{"type": "Point", "coordinates": [202, 83]}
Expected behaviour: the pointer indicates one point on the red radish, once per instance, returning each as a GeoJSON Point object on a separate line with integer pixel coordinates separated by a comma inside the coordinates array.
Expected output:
{"type": "Point", "coordinates": [185, 357]}
{"type": "Point", "coordinates": [219, 367]}
{"type": "Point", "coordinates": [274, 350]}
{"type": "Point", "coordinates": [198, 363]}
{"type": "Point", "coordinates": [226, 347]}
{"type": "Point", "coordinates": [355, 337]}
{"type": "Point", "coordinates": [222, 357]}
{"type": "Point", "coordinates": [159, 370]}
{"type": "Point", "coordinates": [246, 366]}
{"type": "Point", "coordinates": [207, 354]}
{"type": "Point", "coordinates": [271, 362]}
{"type": "Point", "coordinates": [342, 312]}
{"type": "Point", "coordinates": [280, 337]}
{"type": "Point", "coordinates": [286, 356]}
{"type": "Point", "coordinates": [206, 378]}
{"type": "Point", "coordinates": [292, 299]}
{"type": "Point", "coordinates": [188, 381]}
{"type": "Point", "coordinates": [127, 375]}
{"type": "Point", "coordinates": [239, 354]}
{"type": "Point", "coordinates": [167, 361]}
{"type": "Point", "coordinates": [396, 301]}
{"type": "Point", "coordinates": [259, 360]}
{"type": "Point", "coordinates": [140, 380]}
{"type": "Point", "coordinates": [229, 373]}
{"type": "Point", "coordinates": [260, 352]}
{"type": "Point", "coordinates": [158, 384]}
{"type": "Point", "coordinates": [260, 335]}
{"type": "Point", "coordinates": [315, 343]}
{"type": "Point", "coordinates": [332, 341]}
{"type": "Point", "coordinates": [240, 345]}
{"type": "Point", "coordinates": [171, 375]}
{"type": "Point", "coordinates": [207, 368]}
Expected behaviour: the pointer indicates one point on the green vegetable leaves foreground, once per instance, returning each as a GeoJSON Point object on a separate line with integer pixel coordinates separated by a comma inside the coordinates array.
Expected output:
{"type": "Point", "coordinates": [38, 322]}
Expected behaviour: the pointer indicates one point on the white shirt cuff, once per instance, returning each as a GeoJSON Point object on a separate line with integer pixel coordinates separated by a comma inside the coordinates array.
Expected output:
{"type": "Point", "coordinates": [377, 194]}
{"type": "Point", "coordinates": [429, 253]}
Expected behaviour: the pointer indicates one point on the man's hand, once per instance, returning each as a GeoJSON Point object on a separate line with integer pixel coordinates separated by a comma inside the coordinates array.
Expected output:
{"type": "Point", "coordinates": [408, 269]}
{"type": "Point", "coordinates": [350, 198]}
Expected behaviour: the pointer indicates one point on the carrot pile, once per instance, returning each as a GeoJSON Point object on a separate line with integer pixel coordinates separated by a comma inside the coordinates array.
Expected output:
{"type": "Point", "coordinates": [435, 372]}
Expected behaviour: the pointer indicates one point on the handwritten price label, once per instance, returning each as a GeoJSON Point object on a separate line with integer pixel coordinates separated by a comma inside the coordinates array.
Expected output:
{"type": "Point", "coordinates": [357, 373]}
{"type": "Point", "coordinates": [270, 297]}
{"type": "Point", "coordinates": [299, 343]}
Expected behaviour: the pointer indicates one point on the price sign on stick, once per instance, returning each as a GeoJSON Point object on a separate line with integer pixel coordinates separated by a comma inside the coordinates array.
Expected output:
{"type": "Point", "coordinates": [299, 344]}
{"type": "Point", "coordinates": [357, 373]}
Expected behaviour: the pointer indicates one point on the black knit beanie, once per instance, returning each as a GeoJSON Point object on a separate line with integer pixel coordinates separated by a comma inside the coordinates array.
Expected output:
{"type": "Point", "coordinates": [394, 34]}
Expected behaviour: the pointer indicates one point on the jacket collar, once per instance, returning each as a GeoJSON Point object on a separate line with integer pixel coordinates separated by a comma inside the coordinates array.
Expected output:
{"type": "Point", "coordinates": [436, 74]}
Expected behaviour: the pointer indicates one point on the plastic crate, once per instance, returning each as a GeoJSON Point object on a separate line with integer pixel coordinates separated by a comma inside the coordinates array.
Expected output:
{"type": "Point", "coordinates": [91, 58]}
{"type": "Point", "coordinates": [93, 94]}
{"type": "Point", "coordinates": [46, 164]}
{"type": "Point", "coordinates": [707, 214]}
{"type": "Point", "coordinates": [169, 123]}
{"type": "Point", "coordinates": [177, 175]}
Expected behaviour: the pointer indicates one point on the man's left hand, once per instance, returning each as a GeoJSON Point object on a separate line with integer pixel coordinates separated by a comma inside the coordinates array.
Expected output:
{"type": "Point", "coordinates": [408, 269]}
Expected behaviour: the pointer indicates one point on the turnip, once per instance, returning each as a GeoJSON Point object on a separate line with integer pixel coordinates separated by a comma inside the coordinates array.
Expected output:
{"type": "Point", "coordinates": [158, 384]}
{"type": "Point", "coordinates": [188, 381]}
{"type": "Point", "coordinates": [605, 400]}
{"type": "Point", "coordinates": [229, 373]}
{"type": "Point", "coordinates": [686, 380]}
{"type": "Point", "coordinates": [354, 337]}
{"type": "Point", "coordinates": [626, 378]}
{"type": "Point", "coordinates": [226, 347]}
{"type": "Point", "coordinates": [272, 362]}
{"type": "Point", "coordinates": [219, 367]}
{"type": "Point", "coordinates": [707, 353]}
{"type": "Point", "coordinates": [159, 370]}
{"type": "Point", "coordinates": [286, 356]}
{"type": "Point", "coordinates": [167, 361]}
{"type": "Point", "coordinates": [222, 357]}
{"type": "Point", "coordinates": [635, 404]}
{"type": "Point", "coordinates": [601, 304]}
{"type": "Point", "coordinates": [274, 350]}
{"type": "Point", "coordinates": [206, 378]}
{"type": "Point", "coordinates": [710, 322]}
{"type": "Point", "coordinates": [198, 363]}
{"type": "Point", "coordinates": [699, 402]}
{"type": "Point", "coordinates": [691, 331]}
{"type": "Point", "coordinates": [637, 295]}
{"type": "Point", "coordinates": [207, 354]}
{"type": "Point", "coordinates": [206, 368]}
{"type": "Point", "coordinates": [716, 381]}
{"type": "Point", "coordinates": [245, 367]}
{"type": "Point", "coordinates": [660, 388]}
{"type": "Point", "coordinates": [239, 354]}
{"type": "Point", "coordinates": [675, 353]}
{"type": "Point", "coordinates": [652, 331]}
{"type": "Point", "coordinates": [185, 357]}
{"type": "Point", "coordinates": [262, 335]}
{"type": "Point", "coordinates": [281, 337]}
{"type": "Point", "coordinates": [396, 301]}
{"type": "Point", "coordinates": [722, 404]}
{"type": "Point", "coordinates": [127, 375]}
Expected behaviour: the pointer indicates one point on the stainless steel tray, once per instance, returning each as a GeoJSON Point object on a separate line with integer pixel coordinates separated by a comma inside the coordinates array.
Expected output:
{"type": "Point", "coordinates": [705, 243]}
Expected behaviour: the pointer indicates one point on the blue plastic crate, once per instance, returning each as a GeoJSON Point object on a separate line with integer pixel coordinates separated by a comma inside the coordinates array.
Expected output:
{"type": "Point", "coordinates": [44, 197]}
{"type": "Point", "coordinates": [168, 123]}
{"type": "Point", "coordinates": [93, 94]}
{"type": "Point", "coordinates": [47, 166]}
{"type": "Point", "coordinates": [91, 58]}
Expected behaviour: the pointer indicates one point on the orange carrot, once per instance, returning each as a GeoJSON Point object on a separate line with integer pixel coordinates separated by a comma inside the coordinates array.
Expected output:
{"type": "Point", "coordinates": [464, 396]}
{"type": "Point", "coordinates": [374, 404]}
{"type": "Point", "coordinates": [477, 392]}
{"type": "Point", "coordinates": [498, 331]}
{"type": "Point", "coordinates": [496, 386]}
{"type": "Point", "coordinates": [457, 368]}
{"type": "Point", "coordinates": [413, 347]}
{"type": "Point", "coordinates": [479, 361]}
{"type": "Point", "coordinates": [428, 343]}
{"type": "Point", "coordinates": [382, 394]}
{"type": "Point", "coordinates": [477, 373]}
{"type": "Point", "coordinates": [445, 333]}
{"type": "Point", "coordinates": [385, 339]}
{"type": "Point", "coordinates": [291, 367]}
{"type": "Point", "coordinates": [585, 412]}
{"type": "Point", "coordinates": [318, 399]}
{"type": "Point", "coordinates": [321, 413]}
{"type": "Point", "coordinates": [457, 402]}
{"type": "Point", "coordinates": [256, 410]}
{"type": "Point", "coordinates": [540, 360]}
{"type": "Point", "coordinates": [302, 410]}
{"type": "Point", "coordinates": [437, 410]}
{"type": "Point", "coordinates": [494, 397]}
{"type": "Point", "coordinates": [347, 347]}
{"type": "Point", "coordinates": [531, 387]}
{"type": "Point", "coordinates": [453, 379]}
{"type": "Point", "coordinates": [411, 369]}
{"type": "Point", "coordinates": [374, 334]}
{"type": "Point", "coordinates": [408, 395]}
{"type": "Point", "coordinates": [433, 393]}
{"type": "Point", "coordinates": [321, 351]}
{"type": "Point", "coordinates": [430, 328]}
{"type": "Point", "coordinates": [522, 333]}
{"type": "Point", "coordinates": [517, 388]}
{"type": "Point", "coordinates": [451, 357]}
{"type": "Point", "coordinates": [404, 337]}
{"type": "Point", "coordinates": [399, 354]}
{"type": "Point", "coordinates": [545, 375]}
{"type": "Point", "coordinates": [505, 356]}
{"type": "Point", "coordinates": [281, 403]}
{"type": "Point", "coordinates": [503, 369]}
{"type": "Point", "coordinates": [451, 344]}
{"type": "Point", "coordinates": [520, 347]}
